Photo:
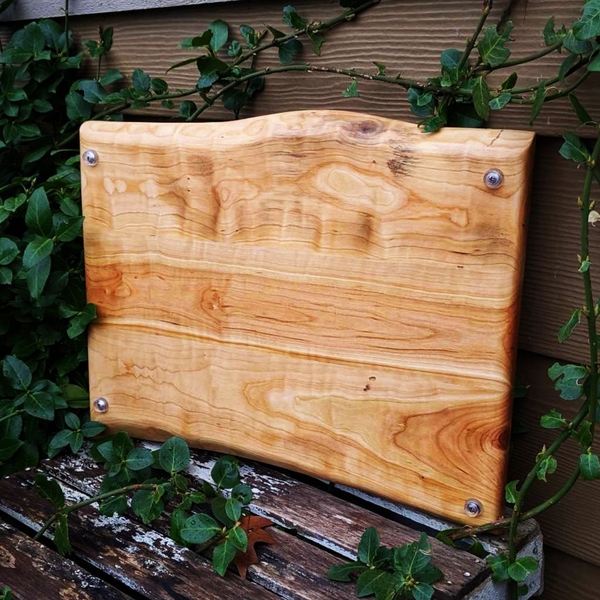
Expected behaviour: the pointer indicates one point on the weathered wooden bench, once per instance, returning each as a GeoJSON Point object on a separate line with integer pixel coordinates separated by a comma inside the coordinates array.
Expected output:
{"type": "Point", "coordinates": [316, 526]}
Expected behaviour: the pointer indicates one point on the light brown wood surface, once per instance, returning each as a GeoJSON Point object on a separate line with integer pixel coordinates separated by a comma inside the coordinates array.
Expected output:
{"type": "Point", "coordinates": [406, 35]}
{"type": "Point", "coordinates": [327, 291]}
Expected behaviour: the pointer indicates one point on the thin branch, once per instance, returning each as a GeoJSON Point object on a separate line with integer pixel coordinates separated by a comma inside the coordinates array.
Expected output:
{"type": "Point", "coordinates": [487, 7]}
{"type": "Point", "coordinates": [72, 507]}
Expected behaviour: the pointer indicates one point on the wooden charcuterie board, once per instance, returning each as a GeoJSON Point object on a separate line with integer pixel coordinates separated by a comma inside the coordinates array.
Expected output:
{"type": "Point", "coordinates": [331, 292]}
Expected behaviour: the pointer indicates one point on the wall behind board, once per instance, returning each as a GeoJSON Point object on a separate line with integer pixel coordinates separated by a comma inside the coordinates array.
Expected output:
{"type": "Point", "coordinates": [408, 36]}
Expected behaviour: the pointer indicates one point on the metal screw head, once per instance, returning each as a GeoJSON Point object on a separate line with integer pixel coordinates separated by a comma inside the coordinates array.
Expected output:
{"type": "Point", "coordinates": [493, 178]}
{"type": "Point", "coordinates": [473, 508]}
{"type": "Point", "coordinates": [101, 404]}
{"type": "Point", "coordinates": [90, 158]}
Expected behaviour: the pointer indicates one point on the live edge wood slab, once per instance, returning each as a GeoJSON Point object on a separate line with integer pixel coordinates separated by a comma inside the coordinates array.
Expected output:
{"type": "Point", "coordinates": [326, 291]}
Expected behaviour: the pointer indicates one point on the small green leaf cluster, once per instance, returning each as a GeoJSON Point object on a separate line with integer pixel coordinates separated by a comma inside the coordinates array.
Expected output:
{"type": "Point", "coordinates": [517, 571]}
{"type": "Point", "coordinates": [390, 573]}
{"type": "Point", "coordinates": [43, 308]}
{"type": "Point", "coordinates": [35, 401]}
{"type": "Point", "coordinates": [151, 483]}
{"type": "Point", "coordinates": [5, 594]}
{"type": "Point", "coordinates": [162, 474]}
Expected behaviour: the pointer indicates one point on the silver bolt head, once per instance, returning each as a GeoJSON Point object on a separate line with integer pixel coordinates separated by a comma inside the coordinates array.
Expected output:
{"type": "Point", "coordinates": [493, 178]}
{"type": "Point", "coordinates": [101, 405]}
{"type": "Point", "coordinates": [90, 158]}
{"type": "Point", "coordinates": [473, 508]}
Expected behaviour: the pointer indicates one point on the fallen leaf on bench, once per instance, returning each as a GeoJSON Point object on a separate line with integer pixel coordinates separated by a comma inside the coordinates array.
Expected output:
{"type": "Point", "coordinates": [254, 528]}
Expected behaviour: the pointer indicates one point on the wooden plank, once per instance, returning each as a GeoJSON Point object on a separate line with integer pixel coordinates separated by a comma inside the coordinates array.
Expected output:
{"type": "Point", "coordinates": [561, 524]}
{"type": "Point", "coordinates": [31, 570]}
{"type": "Point", "coordinates": [568, 577]}
{"type": "Point", "coordinates": [355, 287]}
{"type": "Point", "coordinates": [38, 9]}
{"type": "Point", "coordinates": [323, 520]}
{"type": "Point", "coordinates": [147, 562]}
{"type": "Point", "coordinates": [553, 286]}
{"type": "Point", "coordinates": [407, 35]}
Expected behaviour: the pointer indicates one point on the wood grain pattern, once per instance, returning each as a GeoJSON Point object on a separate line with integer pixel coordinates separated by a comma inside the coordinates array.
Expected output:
{"type": "Point", "coordinates": [31, 570]}
{"type": "Point", "coordinates": [326, 291]}
{"type": "Point", "coordinates": [407, 35]}
{"type": "Point", "coordinates": [313, 526]}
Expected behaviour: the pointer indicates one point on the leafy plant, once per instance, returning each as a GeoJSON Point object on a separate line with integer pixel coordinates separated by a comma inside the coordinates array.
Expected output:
{"type": "Point", "coordinates": [148, 483]}
{"type": "Point", "coordinates": [390, 573]}
{"type": "Point", "coordinates": [5, 594]}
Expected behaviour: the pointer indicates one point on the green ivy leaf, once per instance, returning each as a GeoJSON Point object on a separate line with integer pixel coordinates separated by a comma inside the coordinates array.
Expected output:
{"type": "Point", "coordinates": [568, 380]}
{"type": "Point", "coordinates": [588, 27]}
{"type": "Point", "coordinates": [292, 19]}
{"type": "Point", "coordinates": [583, 434]}
{"type": "Point", "coordinates": [582, 114]}
{"type": "Point", "coordinates": [148, 504]}
{"type": "Point", "coordinates": [233, 509]}
{"type": "Point", "coordinates": [500, 101]}
{"type": "Point", "coordinates": [111, 76]}
{"type": "Point", "coordinates": [81, 320]}
{"type": "Point", "coordinates": [567, 329]}
{"type": "Point", "coordinates": [115, 505]}
{"type": "Point", "coordinates": [92, 428]}
{"type": "Point", "coordinates": [78, 109]}
{"type": "Point", "coordinates": [522, 567]}
{"type": "Point", "coordinates": [351, 91]}
{"type": "Point", "coordinates": [538, 102]}
{"type": "Point", "coordinates": [8, 446]}
{"type": "Point", "coordinates": [239, 539]}
{"type": "Point", "coordinates": [422, 591]}
{"type": "Point", "coordinates": [222, 556]}
{"type": "Point", "coordinates": [37, 277]}
{"type": "Point", "coordinates": [492, 48]}
{"type": "Point", "coordinates": [481, 98]}
{"type": "Point", "coordinates": [50, 490]}
{"type": "Point", "coordinates": [141, 80]}
{"type": "Point", "coordinates": [589, 466]}
{"type": "Point", "coordinates": [368, 581]}
{"type": "Point", "coordinates": [553, 420]}
{"type": "Point", "coordinates": [510, 492]}
{"type": "Point", "coordinates": [499, 564]}
{"type": "Point", "coordinates": [288, 50]}
{"type": "Point", "coordinates": [198, 529]}
{"type": "Point", "coordinates": [368, 546]}
{"type": "Point", "coordinates": [551, 36]}
{"type": "Point", "coordinates": [174, 455]}
{"type": "Point", "coordinates": [242, 492]}
{"type": "Point", "coordinates": [595, 64]}
{"type": "Point", "coordinates": [40, 405]}
{"type": "Point", "coordinates": [8, 251]}
{"type": "Point", "coordinates": [36, 251]}
{"type": "Point", "coordinates": [139, 458]}
{"type": "Point", "coordinates": [546, 467]}
{"type": "Point", "coordinates": [72, 420]}
{"type": "Point", "coordinates": [220, 34]}
{"type": "Point", "coordinates": [225, 473]}
{"type": "Point", "coordinates": [17, 373]}
{"type": "Point", "coordinates": [343, 571]}
{"type": "Point", "coordinates": [61, 536]}
{"type": "Point", "coordinates": [249, 35]}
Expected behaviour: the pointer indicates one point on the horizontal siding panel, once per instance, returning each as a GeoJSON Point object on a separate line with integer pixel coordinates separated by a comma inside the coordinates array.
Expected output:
{"type": "Point", "coordinates": [568, 578]}
{"type": "Point", "coordinates": [37, 9]}
{"type": "Point", "coordinates": [406, 35]}
{"type": "Point", "coordinates": [553, 286]}
{"type": "Point", "coordinates": [562, 524]}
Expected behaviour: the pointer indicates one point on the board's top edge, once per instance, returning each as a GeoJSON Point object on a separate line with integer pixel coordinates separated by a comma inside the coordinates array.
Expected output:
{"type": "Point", "coordinates": [516, 138]}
